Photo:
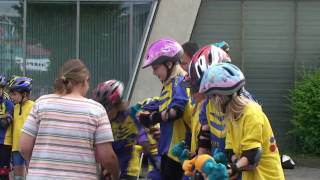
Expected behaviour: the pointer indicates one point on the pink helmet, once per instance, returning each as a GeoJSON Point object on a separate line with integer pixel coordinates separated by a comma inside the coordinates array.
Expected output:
{"type": "Point", "coordinates": [108, 93]}
{"type": "Point", "coordinates": [163, 50]}
{"type": "Point", "coordinates": [223, 79]}
{"type": "Point", "coordinates": [203, 59]}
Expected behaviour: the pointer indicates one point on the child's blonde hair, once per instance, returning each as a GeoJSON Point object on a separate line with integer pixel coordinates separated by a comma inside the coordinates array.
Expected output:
{"type": "Point", "coordinates": [233, 107]}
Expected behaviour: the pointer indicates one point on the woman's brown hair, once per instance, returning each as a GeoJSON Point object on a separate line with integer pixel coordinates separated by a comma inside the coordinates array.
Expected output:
{"type": "Point", "coordinates": [73, 73]}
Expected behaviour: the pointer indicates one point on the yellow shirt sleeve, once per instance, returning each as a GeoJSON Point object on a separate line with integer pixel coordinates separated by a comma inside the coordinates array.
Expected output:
{"type": "Point", "coordinates": [252, 132]}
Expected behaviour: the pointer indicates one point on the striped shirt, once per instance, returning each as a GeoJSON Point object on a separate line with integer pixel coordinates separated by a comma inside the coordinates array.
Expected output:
{"type": "Point", "coordinates": [66, 130]}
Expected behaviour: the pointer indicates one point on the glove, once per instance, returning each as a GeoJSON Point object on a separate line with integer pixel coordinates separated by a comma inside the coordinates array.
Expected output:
{"type": "Point", "coordinates": [144, 118]}
{"type": "Point", "coordinates": [4, 123]}
{"type": "Point", "coordinates": [233, 171]}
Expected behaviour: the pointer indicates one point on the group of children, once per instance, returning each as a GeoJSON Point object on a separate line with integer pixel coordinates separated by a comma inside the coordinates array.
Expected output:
{"type": "Point", "coordinates": [14, 110]}
{"type": "Point", "coordinates": [222, 129]}
{"type": "Point", "coordinates": [205, 107]}
{"type": "Point", "coordinates": [209, 109]}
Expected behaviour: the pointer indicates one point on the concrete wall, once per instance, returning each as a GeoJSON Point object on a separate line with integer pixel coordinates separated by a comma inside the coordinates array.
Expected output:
{"type": "Point", "coordinates": [175, 19]}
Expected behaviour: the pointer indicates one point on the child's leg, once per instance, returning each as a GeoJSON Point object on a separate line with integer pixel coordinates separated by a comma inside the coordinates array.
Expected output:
{"type": "Point", "coordinates": [5, 157]}
{"type": "Point", "coordinates": [19, 166]}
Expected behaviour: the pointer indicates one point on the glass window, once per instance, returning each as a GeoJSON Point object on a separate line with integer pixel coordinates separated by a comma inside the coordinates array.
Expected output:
{"type": "Point", "coordinates": [110, 35]}
{"type": "Point", "coordinates": [51, 39]}
{"type": "Point", "coordinates": [11, 37]}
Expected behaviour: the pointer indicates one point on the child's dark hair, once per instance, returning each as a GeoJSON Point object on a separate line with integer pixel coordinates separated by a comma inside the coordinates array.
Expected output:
{"type": "Point", "coordinates": [73, 73]}
{"type": "Point", "coordinates": [190, 48]}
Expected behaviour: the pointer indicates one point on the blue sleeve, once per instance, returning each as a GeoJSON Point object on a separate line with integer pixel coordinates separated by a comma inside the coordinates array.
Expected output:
{"type": "Point", "coordinates": [179, 95]}
{"type": "Point", "coordinates": [9, 109]}
{"type": "Point", "coordinates": [203, 114]}
{"type": "Point", "coordinates": [142, 136]}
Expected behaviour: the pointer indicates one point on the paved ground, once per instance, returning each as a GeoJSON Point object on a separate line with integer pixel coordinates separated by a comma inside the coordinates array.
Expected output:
{"type": "Point", "coordinates": [303, 173]}
{"type": "Point", "coordinates": [298, 173]}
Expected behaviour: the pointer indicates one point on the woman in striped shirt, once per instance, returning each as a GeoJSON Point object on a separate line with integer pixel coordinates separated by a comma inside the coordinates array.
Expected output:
{"type": "Point", "coordinates": [66, 134]}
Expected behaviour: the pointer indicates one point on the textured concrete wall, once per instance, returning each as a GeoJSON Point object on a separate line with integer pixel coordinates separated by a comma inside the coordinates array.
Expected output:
{"type": "Point", "coordinates": [175, 19]}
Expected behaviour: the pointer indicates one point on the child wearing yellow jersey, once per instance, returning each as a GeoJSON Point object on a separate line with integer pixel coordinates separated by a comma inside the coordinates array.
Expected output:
{"type": "Point", "coordinates": [129, 136]}
{"type": "Point", "coordinates": [20, 88]}
{"type": "Point", "coordinates": [164, 57]}
{"type": "Point", "coordinates": [6, 112]}
{"type": "Point", "coordinates": [250, 143]}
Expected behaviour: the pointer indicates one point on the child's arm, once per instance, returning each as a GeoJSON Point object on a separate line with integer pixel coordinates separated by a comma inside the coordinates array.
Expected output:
{"type": "Point", "coordinates": [7, 118]}
{"type": "Point", "coordinates": [26, 145]}
{"type": "Point", "coordinates": [179, 100]}
{"type": "Point", "coordinates": [204, 137]}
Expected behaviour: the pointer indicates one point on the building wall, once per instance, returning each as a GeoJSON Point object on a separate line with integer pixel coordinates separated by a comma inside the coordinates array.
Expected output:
{"type": "Point", "coordinates": [170, 13]}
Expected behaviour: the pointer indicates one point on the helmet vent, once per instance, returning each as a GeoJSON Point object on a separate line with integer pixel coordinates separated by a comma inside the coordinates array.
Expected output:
{"type": "Point", "coordinates": [229, 71]}
{"type": "Point", "coordinates": [210, 59]}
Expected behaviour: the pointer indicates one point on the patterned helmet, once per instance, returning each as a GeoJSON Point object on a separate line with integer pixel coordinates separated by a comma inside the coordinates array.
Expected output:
{"type": "Point", "coordinates": [109, 93]}
{"type": "Point", "coordinates": [3, 81]}
{"type": "Point", "coordinates": [20, 84]}
{"type": "Point", "coordinates": [162, 51]}
{"type": "Point", "coordinates": [206, 57]}
{"type": "Point", "coordinates": [223, 79]}
{"type": "Point", "coordinates": [223, 45]}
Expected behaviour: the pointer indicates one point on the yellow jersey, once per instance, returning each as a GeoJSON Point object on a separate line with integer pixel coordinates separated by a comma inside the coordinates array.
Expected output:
{"type": "Point", "coordinates": [253, 130]}
{"type": "Point", "coordinates": [174, 131]}
{"type": "Point", "coordinates": [195, 127]}
{"type": "Point", "coordinates": [18, 122]}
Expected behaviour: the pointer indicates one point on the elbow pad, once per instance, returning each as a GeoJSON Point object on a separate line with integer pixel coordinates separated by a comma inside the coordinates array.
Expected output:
{"type": "Point", "coordinates": [204, 139]}
{"type": "Point", "coordinates": [253, 155]}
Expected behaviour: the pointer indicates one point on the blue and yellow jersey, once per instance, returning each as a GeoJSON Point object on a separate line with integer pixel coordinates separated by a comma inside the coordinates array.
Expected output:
{"type": "Point", "coordinates": [126, 134]}
{"type": "Point", "coordinates": [195, 126]}
{"type": "Point", "coordinates": [18, 122]}
{"type": "Point", "coordinates": [174, 131]}
{"type": "Point", "coordinates": [253, 130]}
{"type": "Point", "coordinates": [6, 108]}
{"type": "Point", "coordinates": [209, 115]}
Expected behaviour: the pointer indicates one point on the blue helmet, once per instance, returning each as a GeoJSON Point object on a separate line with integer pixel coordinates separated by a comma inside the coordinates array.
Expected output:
{"type": "Point", "coordinates": [3, 81]}
{"type": "Point", "coordinates": [20, 84]}
{"type": "Point", "coordinates": [223, 79]}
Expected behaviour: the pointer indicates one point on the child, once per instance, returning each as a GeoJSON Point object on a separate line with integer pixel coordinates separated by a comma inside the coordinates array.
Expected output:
{"type": "Point", "coordinates": [6, 112]}
{"type": "Point", "coordinates": [209, 135]}
{"type": "Point", "coordinates": [189, 49]}
{"type": "Point", "coordinates": [20, 88]}
{"type": "Point", "coordinates": [151, 151]}
{"type": "Point", "coordinates": [128, 135]}
{"type": "Point", "coordinates": [173, 115]}
{"type": "Point", "coordinates": [250, 143]}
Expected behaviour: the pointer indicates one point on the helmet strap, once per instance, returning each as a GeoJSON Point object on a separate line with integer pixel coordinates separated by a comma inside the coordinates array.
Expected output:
{"type": "Point", "coordinates": [169, 70]}
{"type": "Point", "coordinates": [21, 101]}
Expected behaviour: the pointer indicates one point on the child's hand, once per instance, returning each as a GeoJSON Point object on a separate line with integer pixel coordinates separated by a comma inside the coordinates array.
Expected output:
{"type": "Point", "coordinates": [155, 131]}
{"type": "Point", "coordinates": [4, 123]}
